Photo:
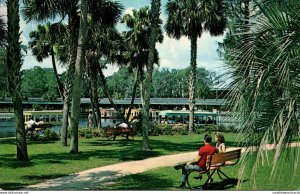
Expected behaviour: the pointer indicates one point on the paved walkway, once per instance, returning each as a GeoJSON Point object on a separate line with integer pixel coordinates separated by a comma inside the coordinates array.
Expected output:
{"type": "Point", "coordinates": [92, 179]}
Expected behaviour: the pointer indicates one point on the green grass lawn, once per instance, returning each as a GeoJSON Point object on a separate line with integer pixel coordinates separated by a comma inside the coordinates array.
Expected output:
{"type": "Point", "coordinates": [167, 178]}
{"type": "Point", "coordinates": [49, 160]}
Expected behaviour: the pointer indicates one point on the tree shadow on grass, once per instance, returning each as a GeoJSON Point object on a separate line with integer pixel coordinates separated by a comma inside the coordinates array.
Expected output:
{"type": "Point", "coordinates": [12, 186]}
{"type": "Point", "coordinates": [224, 184]}
{"type": "Point", "coordinates": [11, 162]}
{"type": "Point", "coordinates": [142, 181]}
{"type": "Point", "coordinates": [40, 178]}
{"type": "Point", "coordinates": [8, 141]}
{"type": "Point", "coordinates": [90, 181]}
{"type": "Point", "coordinates": [122, 150]}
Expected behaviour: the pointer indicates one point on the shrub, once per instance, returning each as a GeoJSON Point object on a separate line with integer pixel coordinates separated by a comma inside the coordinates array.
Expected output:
{"type": "Point", "coordinates": [50, 134]}
{"type": "Point", "coordinates": [33, 136]}
{"type": "Point", "coordinates": [168, 131]}
{"type": "Point", "coordinates": [89, 132]}
{"type": "Point", "coordinates": [199, 129]}
{"type": "Point", "coordinates": [183, 131]}
{"type": "Point", "coordinates": [83, 131]}
{"type": "Point", "coordinates": [222, 127]}
{"type": "Point", "coordinates": [97, 133]}
{"type": "Point", "coordinates": [155, 130]}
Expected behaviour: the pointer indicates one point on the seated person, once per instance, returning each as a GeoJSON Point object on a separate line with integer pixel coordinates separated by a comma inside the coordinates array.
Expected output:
{"type": "Point", "coordinates": [30, 125]}
{"type": "Point", "coordinates": [204, 151]}
{"type": "Point", "coordinates": [123, 125]}
{"type": "Point", "coordinates": [220, 142]}
{"type": "Point", "coordinates": [209, 121]}
{"type": "Point", "coordinates": [114, 124]}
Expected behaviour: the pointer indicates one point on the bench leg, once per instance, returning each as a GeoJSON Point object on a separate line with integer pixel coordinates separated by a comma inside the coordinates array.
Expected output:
{"type": "Point", "coordinates": [219, 171]}
{"type": "Point", "coordinates": [209, 177]}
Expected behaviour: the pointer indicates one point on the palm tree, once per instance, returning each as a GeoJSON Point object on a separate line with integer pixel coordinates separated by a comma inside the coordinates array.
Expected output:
{"type": "Point", "coordinates": [137, 39]}
{"type": "Point", "coordinates": [104, 41]}
{"type": "Point", "coordinates": [155, 11]}
{"type": "Point", "coordinates": [75, 109]}
{"type": "Point", "coordinates": [267, 58]}
{"type": "Point", "coordinates": [44, 43]}
{"type": "Point", "coordinates": [14, 77]}
{"type": "Point", "coordinates": [191, 18]}
{"type": "Point", "coordinates": [40, 10]}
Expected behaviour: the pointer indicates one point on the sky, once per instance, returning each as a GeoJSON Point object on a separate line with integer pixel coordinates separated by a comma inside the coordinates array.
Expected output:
{"type": "Point", "coordinates": [173, 54]}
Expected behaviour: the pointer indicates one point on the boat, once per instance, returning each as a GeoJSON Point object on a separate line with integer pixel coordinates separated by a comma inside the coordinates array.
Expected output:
{"type": "Point", "coordinates": [182, 116]}
{"type": "Point", "coordinates": [55, 117]}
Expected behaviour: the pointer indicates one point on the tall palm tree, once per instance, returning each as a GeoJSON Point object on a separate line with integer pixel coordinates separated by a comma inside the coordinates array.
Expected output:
{"type": "Point", "coordinates": [40, 10]}
{"type": "Point", "coordinates": [191, 18]}
{"type": "Point", "coordinates": [75, 109]}
{"type": "Point", "coordinates": [14, 77]}
{"type": "Point", "coordinates": [104, 41]}
{"type": "Point", "coordinates": [155, 11]}
{"type": "Point", "coordinates": [265, 90]}
{"type": "Point", "coordinates": [44, 43]}
{"type": "Point", "coordinates": [138, 39]}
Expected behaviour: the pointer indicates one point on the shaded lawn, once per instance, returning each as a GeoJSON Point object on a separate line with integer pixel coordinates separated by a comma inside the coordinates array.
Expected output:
{"type": "Point", "coordinates": [49, 160]}
{"type": "Point", "coordinates": [166, 178]}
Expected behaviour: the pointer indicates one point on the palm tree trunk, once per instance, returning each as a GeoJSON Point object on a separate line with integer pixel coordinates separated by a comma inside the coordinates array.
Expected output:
{"type": "Point", "coordinates": [59, 84]}
{"type": "Point", "coordinates": [192, 80]}
{"type": "Point", "coordinates": [155, 8]}
{"type": "Point", "coordinates": [142, 85]}
{"type": "Point", "coordinates": [73, 27]}
{"type": "Point", "coordinates": [94, 92]}
{"type": "Point", "coordinates": [76, 92]}
{"type": "Point", "coordinates": [64, 128]}
{"type": "Point", "coordinates": [133, 94]}
{"type": "Point", "coordinates": [106, 91]}
{"type": "Point", "coordinates": [14, 78]}
{"type": "Point", "coordinates": [95, 124]}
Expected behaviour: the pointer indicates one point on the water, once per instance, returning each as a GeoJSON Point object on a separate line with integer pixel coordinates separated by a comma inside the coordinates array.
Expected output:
{"type": "Point", "coordinates": [8, 127]}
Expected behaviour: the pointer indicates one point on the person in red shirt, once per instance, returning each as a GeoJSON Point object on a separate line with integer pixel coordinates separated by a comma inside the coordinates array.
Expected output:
{"type": "Point", "coordinates": [203, 152]}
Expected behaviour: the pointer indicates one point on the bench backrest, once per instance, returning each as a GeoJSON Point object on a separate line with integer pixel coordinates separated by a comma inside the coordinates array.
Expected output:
{"type": "Point", "coordinates": [223, 157]}
{"type": "Point", "coordinates": [119, 129]}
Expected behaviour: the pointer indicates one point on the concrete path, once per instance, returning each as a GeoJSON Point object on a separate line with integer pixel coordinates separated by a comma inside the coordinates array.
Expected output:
{"type": "Point", "coordinates": [92, 179]}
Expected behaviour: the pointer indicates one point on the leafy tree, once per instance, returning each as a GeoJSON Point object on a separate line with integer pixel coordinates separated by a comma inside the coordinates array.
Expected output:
{"type": "Point", "coordinates": [2, 32]}
{"type": "Point", "coordinates": [263, 63]}
{"type": "Point", "coordinates": [3, 72]}
{"type": "Point", "coordinates": [120, 83]}
{"type": "Point", "coordinates": [13, 74]}
{"type": "Point", "coordinates": [191, 18]}
{"type": "Point", "coordinates": [174, 83]}
{"type": "Point", "coordinates": [37, 82]}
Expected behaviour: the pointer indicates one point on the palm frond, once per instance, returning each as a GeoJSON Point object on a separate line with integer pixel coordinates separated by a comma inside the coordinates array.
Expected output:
{"type": "Point", "coordinates": [263, 63]}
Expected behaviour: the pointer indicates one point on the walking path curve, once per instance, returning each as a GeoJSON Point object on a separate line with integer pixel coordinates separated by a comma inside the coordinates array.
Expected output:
{"type": "Point", "coordinates": [93, 178]}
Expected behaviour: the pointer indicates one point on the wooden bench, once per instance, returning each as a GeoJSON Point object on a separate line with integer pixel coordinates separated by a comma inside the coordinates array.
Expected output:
{"type": "Point", "coordinates": [112, 133]}
{"type": "Point", "coordinates": [214, 163]}
{"type": "Point", "coordinates": [37, 130]}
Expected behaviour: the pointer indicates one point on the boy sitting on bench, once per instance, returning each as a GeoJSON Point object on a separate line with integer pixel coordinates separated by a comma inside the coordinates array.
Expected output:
{"type": "Point", "coordinates": [204, 151]}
